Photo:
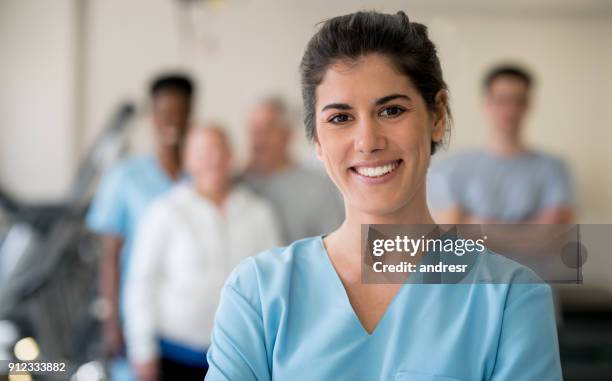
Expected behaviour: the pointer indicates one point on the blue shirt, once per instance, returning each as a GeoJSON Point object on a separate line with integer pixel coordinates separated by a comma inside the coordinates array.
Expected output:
{"type": "Point", "coordinates": [124, 194]}
{"type": "Point", "coordinates": [503, 188]}
{"type": "Point", "coordinates": [285, 315]}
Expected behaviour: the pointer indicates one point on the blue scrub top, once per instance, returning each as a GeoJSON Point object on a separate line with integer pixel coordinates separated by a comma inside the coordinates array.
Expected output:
{"type": "Point", "coordinates": [123, 196]}
{"type": "Point", "coordinates": [285, 315]}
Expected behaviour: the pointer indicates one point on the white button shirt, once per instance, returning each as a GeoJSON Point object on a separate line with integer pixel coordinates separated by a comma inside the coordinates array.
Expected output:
{"type": "Point", "coordinates": [184, 250]}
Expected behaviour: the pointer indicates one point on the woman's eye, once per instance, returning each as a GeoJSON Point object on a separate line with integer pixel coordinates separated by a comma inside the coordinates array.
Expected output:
{"type": "Point", "coordinates": [340, 118]}
{"type": "Point", "coordinates": [392, 111]}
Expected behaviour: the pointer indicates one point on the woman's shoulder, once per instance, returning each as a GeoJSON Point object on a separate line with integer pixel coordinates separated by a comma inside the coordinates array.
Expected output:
{"type": "Point", "coordinates": [272, 270]}
{"type": "Point", "coordinates": [492, 267]}
{"type": "Point", "coordinates": [276, 261]}
{"type": "Point", "coordinates": [517, 280]}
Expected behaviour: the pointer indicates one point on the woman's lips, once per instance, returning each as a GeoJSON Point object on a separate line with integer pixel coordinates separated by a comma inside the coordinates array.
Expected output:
{"type": "Point", "coordinates": [376, 172]}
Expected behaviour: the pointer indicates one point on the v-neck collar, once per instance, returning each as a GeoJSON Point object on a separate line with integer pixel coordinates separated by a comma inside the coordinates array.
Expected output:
{"type": "Point", "coordinates": [341, 290]}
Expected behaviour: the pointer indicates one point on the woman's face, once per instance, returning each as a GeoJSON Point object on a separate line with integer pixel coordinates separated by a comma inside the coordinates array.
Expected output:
{"type": "Point", "coordinates": [374, 133]}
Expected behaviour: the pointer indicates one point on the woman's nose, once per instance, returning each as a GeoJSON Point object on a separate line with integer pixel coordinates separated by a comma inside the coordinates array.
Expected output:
{"type": "Point", "coordinates": [368, 138]}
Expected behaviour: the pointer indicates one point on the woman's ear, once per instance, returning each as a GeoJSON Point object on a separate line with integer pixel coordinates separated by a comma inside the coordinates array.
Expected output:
{"type": "Point", "coordinates": [440, 116]}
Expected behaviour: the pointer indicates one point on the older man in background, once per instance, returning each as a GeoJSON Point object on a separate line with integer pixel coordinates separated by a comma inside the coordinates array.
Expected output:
{"type": "Point", "coordinates": [305, 201]}
{"type": "Point", "coordinates": [187, 244]}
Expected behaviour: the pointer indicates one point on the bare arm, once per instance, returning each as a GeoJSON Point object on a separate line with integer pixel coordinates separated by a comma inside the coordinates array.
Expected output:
{"type": "Point", "coordinates": [457, 215]}
{"type": "Point", "coordinates": [556, 215]}
{"type": "Point", "coordinates": [452, 216]}
{"type": "Point", "coordinates": [109, 289]}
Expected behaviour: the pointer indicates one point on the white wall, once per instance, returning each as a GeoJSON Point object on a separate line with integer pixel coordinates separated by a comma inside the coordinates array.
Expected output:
{"type": "Point", "coordinates": [250, 48]}
{"type": "Point", "coordinates": [37, 150]}
{"type": "Point", "coordinates": [242, 49]}
{"type": "Point", "coordinates": [573, 70]}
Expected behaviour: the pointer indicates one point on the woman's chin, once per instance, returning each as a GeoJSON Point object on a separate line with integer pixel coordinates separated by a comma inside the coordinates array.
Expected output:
{"type": "Point", "coordinates": [379, 205]}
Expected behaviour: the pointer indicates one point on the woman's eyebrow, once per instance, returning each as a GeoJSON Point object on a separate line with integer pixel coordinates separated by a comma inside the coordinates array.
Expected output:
{"type": "Point", "coordinates": [338, 106]}
{"type": "Point", "coordinates": [391, 97]}
{"type": "Point", "coordinates": [380, 101]}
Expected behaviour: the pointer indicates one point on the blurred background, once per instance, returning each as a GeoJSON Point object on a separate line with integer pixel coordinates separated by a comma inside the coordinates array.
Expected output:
{"type": "Point", "coordinates": [72, 69]}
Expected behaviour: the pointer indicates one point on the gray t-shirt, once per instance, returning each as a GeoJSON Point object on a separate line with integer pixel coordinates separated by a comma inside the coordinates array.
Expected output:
{"type": "Point", "coordinates": [503, 188]}
{"type": "Point", "coordinates": [306, 202]}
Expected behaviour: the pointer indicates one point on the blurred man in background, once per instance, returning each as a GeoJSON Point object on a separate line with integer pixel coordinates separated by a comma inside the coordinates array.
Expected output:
{"type": "Point", "coordinates": [506, 182]}
{"type": "Point", "coordinates": [307, 203]}
{"type": "Point", "coordinates": [187, 244]}
{"type": "Point", "coordinates": [125, 193]}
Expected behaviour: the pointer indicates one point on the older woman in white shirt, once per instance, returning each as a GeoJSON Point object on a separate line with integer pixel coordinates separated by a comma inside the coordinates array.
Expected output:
{"type": "Point", "coordinates": [187, 244]}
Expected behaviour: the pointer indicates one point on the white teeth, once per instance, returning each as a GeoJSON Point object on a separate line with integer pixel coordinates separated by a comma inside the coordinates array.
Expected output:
{"type": "Point", "coordinates": [376, 171]}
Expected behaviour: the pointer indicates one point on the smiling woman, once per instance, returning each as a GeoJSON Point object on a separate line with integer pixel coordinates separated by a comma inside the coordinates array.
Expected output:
{"type": "Point", "coordinates": [376, 108]}
{"type": "Point", "coordinates": [374, 127]}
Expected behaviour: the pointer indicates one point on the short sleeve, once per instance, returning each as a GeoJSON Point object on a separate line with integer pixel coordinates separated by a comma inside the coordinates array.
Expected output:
{"type": "Point", "coordinates": [238, 350]}
{"type": "Point", "coordinates": [107, 213]}
{"type": "Point", "coordinates": [528, 345]}
{"type": "Point", "coordinates": [558, 188]}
